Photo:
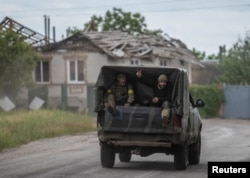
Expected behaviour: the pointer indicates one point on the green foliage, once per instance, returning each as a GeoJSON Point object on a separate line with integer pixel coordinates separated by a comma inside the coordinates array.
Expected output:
{"type": "Point", "coordinates": [203, 56]}
{"type": "Point", "coordinates": [213, 97]}
{"type": "Point", "coordinates": [235, 64]}
{"type": "Point", "coordinates": [212, 57]}
{"type": "Point", "coordinates": [122, 21]}
{"type": "Point", "coordinates": [199, 55]}
{"type": "Point", "coordinates": [21, 127]}
{"type": "Point", "coordinates": [17, 62]}
{"type": "Point", "coordinates": [72, 31]}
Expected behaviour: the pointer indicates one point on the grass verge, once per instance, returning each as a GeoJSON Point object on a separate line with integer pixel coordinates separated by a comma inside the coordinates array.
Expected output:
{"type": "Point", "coordinates": [21, 127]}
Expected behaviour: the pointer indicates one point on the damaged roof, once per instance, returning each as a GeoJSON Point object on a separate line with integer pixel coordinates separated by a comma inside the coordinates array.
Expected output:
{"type": "Point", "coordinates": [115, 44]}
{"type": "Point", "coordinates": [119, 44]}
{"type": "Point", "coordinates": [31, 37]}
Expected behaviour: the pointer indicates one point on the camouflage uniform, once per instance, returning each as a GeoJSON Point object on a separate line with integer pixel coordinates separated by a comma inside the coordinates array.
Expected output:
{"type": "Point", "coordinates": [119, 94]}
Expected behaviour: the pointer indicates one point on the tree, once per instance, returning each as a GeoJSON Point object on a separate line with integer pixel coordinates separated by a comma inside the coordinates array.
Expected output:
{"type": "Point", "coordinates": [202, 55]}
{"type": "Point", "coordinates": [72, 31]}
{"type": "Point", "coordinates": [235, 63]}
{"type": "Point", "coordinates": [199, 55]}
{"type": "Point", "coordinates": [17, 61]}
{"type": "Point", "coordinates": [120, 20]}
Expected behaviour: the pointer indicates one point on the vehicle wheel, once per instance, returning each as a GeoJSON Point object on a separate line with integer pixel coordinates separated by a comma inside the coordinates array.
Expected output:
{"type": "Point", "coordinates": [181, 157]}
{"type": "Point", "coordinates": [107, 155]}
{"type": "Point", "coordinates": [125, 156]}
{"type": "Point", "coordinates": [195, 151]}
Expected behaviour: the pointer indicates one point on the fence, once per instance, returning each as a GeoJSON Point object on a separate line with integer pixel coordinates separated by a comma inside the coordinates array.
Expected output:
{"type": "Point", "coordinates": [237, 101]}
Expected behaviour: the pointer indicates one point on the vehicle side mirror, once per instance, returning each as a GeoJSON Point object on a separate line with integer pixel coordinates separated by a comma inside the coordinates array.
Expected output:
{"type": "Point", "coordinates": [199, 103]}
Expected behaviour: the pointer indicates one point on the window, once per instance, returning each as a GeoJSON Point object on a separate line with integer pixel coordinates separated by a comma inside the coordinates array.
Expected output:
{"type": "Point", "coordinates": [164, 62]}
{"type": "Point", "coordinates": [42, 71]}
{"type": "Point", "coordinates": [182, 62]}
{"type": "Point", "coordinates": [135, 62]}
{"type": "Point", "coordinates": [75, 71]}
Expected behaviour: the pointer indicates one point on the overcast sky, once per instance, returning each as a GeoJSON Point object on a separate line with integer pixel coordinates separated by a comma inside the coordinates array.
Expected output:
{"type": "Point", "coordinates": [200, 24]}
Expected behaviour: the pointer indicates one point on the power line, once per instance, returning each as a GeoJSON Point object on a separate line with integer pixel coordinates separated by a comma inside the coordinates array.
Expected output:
{"type": "Point", "coordinates": [98, 6]}
{"type": "Point", "coordinates": [130, 4]}
{"type": "Point", "coordinates": [141, 11]}
{"type": "Point", "coordinates": [202, 8]}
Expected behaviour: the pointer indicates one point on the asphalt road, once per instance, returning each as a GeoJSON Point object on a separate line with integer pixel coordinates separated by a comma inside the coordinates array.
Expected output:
{"type": "Point", "coordinates": [78, 156]}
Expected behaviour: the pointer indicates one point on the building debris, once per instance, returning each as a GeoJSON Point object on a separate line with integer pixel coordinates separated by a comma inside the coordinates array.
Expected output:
{"type": "Point", "coordinates": [6, 104]}
{"type": "Point", "coordinates": [117, 44]}
{"type": "Point", "coordinates": [31, 37]}
{"type": "Point", "coordinates": [36, 103]}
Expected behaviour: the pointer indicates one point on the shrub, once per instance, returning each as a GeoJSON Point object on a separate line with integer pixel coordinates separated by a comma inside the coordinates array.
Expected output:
{"type": "Point", "coordinates": [213, 97]}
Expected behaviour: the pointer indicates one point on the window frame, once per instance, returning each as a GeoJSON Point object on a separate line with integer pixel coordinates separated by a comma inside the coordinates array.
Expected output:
{"type": "Point", "coordinates": [182, 62]}
{"type": "Point", "coordinates": [41, 71]}
{"type": "Point", "coordinates": [76, 73]}
{"type": "Point", "coordinates": [135, 62]}
{"type": "Point", "coordinates": [164, 62]}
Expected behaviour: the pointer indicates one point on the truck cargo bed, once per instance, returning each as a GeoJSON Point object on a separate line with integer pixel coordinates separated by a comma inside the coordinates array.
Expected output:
{"type": "Point", "coordinates": [138, 119]}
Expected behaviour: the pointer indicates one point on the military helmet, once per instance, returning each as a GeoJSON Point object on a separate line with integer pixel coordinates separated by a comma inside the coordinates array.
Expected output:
{"type": "Point", "coordinates": [121, 76]}
{"type": "Point", "coordinates": [162, 78]}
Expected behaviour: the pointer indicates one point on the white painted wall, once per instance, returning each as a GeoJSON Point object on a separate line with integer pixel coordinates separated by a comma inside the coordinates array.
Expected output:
{"type": "Point", "coordinates": [94, 62]}
{"type": "Point", "coordinates": [58, 69]}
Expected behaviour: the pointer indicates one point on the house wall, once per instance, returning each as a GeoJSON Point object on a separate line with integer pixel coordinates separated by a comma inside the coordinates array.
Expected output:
{"type": "Point", "coordinates": [54, 95]}
{"type": "Point", "coordinates": [94, 62]}
{"type": "Point", "coordinates": [184, 65]}
{"type": "Point", "coordinates": [206, 75]}
{"type": "Point", "coordinates": [77, 95]}
{"type": "Point", "coordinates": [58, 69]}
{"type": "Point", "coordinates": [170, 63]}
{"type": "Point", "coordinates": [22, 98]}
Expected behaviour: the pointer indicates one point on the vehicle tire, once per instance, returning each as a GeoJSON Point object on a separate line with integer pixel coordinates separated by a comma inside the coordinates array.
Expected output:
{"type": "Point", "coordinates": [125, 156]}
{"type": "Point", "coordinates": [181, 157]}
{"type": "Point", "coordinates": [195, 151]}
{"type": "Point", "coordinates": [107, 156]}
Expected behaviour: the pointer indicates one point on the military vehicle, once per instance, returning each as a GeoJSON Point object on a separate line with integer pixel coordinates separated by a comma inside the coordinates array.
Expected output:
{"type": "Point", "coordinates": [138, 128]}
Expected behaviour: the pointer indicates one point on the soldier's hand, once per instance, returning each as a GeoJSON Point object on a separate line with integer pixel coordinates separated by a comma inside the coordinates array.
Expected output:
{"type": "Point", "coordinates": [155, 100]}
{"type": "Point", "coordinates": [126, 104]}
{"type": "Point", "coordinates": [139, 74]}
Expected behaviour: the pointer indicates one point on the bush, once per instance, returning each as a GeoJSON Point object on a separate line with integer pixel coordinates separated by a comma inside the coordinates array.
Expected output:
{"type": "Point", "coordinates": [213, 97]}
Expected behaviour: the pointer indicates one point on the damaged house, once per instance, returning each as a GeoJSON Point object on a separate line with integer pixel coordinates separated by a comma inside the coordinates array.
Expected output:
{"type": "Point", "coordinates": [69, 68]}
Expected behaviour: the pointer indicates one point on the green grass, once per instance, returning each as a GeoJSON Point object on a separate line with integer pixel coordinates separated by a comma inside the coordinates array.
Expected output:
{"type": "Point", "coordinates": [21, 127]}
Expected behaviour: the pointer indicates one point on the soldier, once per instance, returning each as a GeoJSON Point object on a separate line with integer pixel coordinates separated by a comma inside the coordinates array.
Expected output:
{"type": "Point", "coordinates": [161, 92]}
{"type": "Point", "coordinates": [120, 93]}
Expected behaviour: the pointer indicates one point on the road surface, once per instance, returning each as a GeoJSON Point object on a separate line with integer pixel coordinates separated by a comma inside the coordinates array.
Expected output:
{"type": "Point", "coordinates": [78, 156]}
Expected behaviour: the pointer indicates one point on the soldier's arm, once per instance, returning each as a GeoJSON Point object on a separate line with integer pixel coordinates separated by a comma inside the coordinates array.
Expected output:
{"type": "Point", "coordinates": [108, 92]}
{"type": "Point", "coordinates": [131, 95]}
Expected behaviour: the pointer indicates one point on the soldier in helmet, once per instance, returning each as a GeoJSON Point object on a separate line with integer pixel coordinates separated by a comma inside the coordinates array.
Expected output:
{"type": "Point", "coordinates": [161, 92]}
{"type": "Point", "coordinates": [120, 93]}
